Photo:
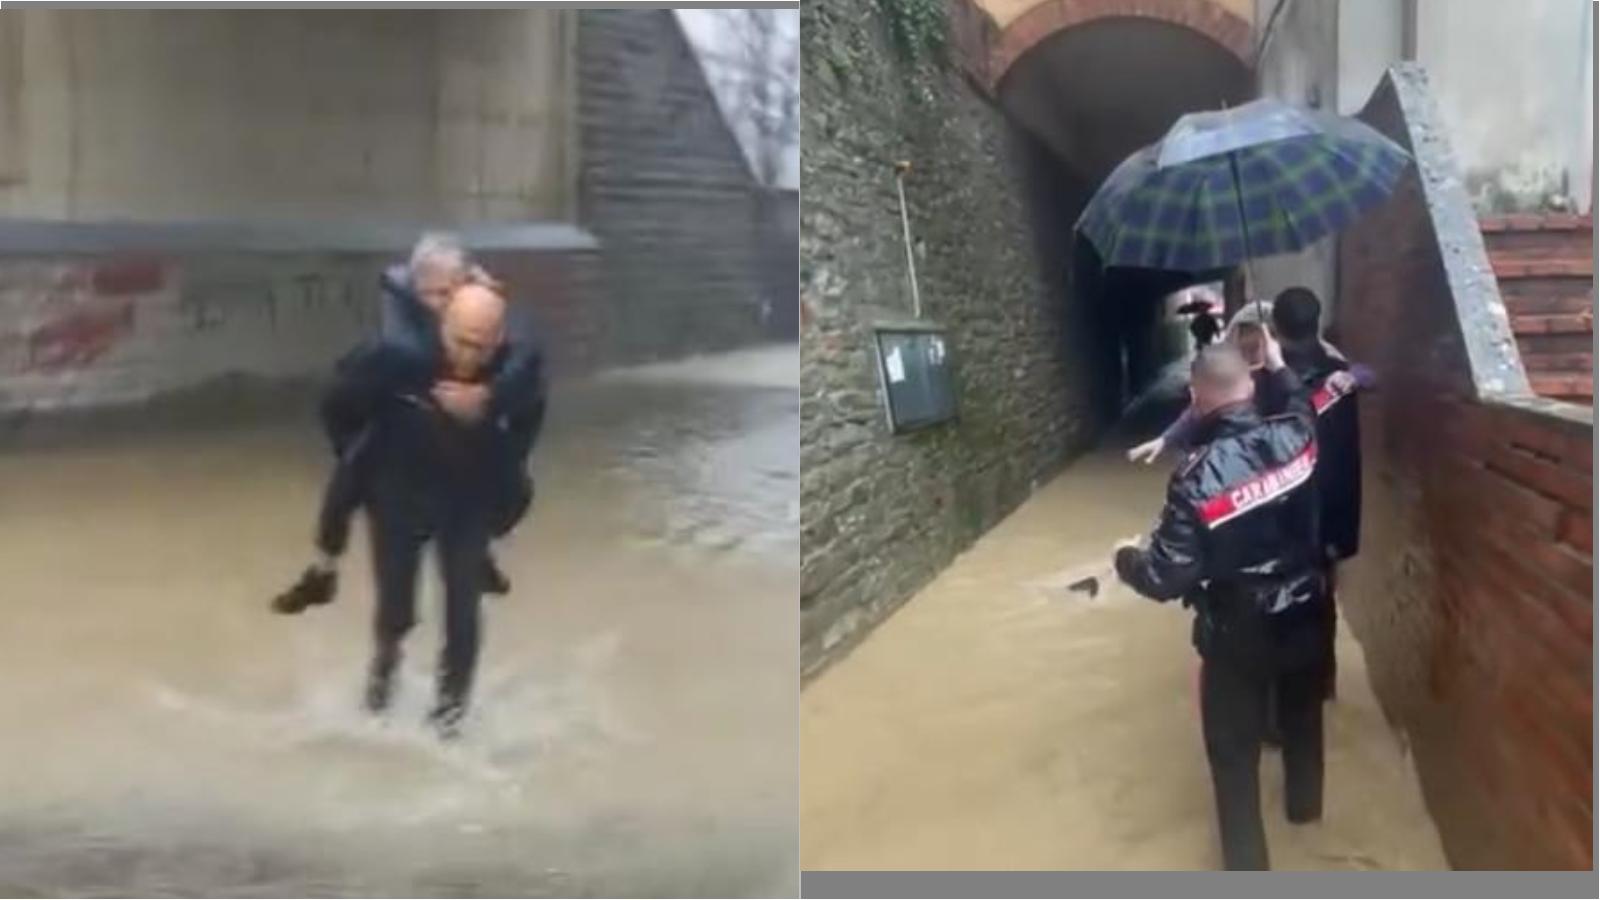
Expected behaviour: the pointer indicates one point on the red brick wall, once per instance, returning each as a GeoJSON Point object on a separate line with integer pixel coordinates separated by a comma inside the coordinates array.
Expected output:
{"type": "Point", "coordinates": [987, 52]}
{"type": "Point", "coordinates": [1472, 595]}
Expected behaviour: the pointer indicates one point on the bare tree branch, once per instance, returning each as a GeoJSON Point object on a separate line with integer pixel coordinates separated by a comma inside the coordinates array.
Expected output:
{"type": "Point", "coordinates": [759, 70]}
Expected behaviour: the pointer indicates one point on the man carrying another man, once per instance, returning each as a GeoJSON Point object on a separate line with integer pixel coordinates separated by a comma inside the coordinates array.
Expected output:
{"type": "Point", "coordinates": [413, 296]}
{"type": "Point", "coordinates": [431, 477]}
{"type": "Point", "coordinates": [431, 425]}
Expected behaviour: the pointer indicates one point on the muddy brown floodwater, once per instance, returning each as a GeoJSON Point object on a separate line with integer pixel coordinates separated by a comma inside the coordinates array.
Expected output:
{"type": "Point", "coordinates": [634, 728]}
{"type": "Point", "coordinates": [998, 721]}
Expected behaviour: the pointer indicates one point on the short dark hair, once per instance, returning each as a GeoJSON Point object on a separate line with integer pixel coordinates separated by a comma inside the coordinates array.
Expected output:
{"type": "Point", "coordinates": [1297, 315]}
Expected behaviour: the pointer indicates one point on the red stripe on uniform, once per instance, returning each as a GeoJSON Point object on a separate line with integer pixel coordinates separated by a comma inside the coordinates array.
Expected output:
{"type": "Point", "coordinates": [1262, 489]}
{"type": "Point", "coordinates": [1326, 395]}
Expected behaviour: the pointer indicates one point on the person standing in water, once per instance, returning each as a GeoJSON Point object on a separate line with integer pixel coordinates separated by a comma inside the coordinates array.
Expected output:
{"type": "Point", "coordinates": [413, 295]}
{"type": "Point", "coordinates": [434, 478]}
{"type": "Point", "coordinates": [1238, 541]}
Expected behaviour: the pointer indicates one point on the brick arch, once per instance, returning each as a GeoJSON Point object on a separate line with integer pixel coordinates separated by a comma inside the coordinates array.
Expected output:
{"type": "Point", "coordinates": [988, 51]}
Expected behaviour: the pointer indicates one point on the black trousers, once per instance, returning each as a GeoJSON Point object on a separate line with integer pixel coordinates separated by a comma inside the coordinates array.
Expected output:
{"type": "Point", "coordinates": [461, 542]}
{"type": "Point", "coordinates": [1244, 671]}
{"type": "Point", "coordinates": [341, 497]}
{"type": "Point", "coordinates": [1330, 662]}
{"type": "Point", "coordinates": [345, 492]}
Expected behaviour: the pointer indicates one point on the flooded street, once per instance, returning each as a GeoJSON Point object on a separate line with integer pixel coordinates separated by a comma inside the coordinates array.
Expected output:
{"type": "Point", "coordinates": [998, 721]}
{"type": "Point", "coordinates": [634, 723]}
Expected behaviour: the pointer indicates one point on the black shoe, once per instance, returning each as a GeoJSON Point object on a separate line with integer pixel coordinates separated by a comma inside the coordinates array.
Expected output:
{"type": "Point", "coordinates": [1303, 814]}
{"type": "Point", "coordinates": [376, 700]}
{"type": "Point", "coordinates": [445, 719]}
{"type": "Point", "coordinates": [316, 587]}
{"type": "Point", "coordinates": [380, 680]}
{"type": "Point", "coordinates": [494, 581]}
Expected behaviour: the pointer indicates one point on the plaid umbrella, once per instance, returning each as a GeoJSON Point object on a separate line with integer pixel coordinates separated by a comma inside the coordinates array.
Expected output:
{"type": "Point", "coordinates": [1227, 186]}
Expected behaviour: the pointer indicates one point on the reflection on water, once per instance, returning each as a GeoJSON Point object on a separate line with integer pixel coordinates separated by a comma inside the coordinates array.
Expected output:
{"type": "Point", "coordinates": [634, 727]}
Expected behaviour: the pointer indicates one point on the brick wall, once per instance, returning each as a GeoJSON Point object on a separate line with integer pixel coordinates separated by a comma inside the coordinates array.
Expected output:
{"type": "Point", "coordinates": [1545, 267]}
{"type": "Point", "coordinates": [989, 52]}
{"type": "Point", "coordinates": [666, 189]}
{"type": "Point", "coordinates": [883, 514]}
{"type": "Point", "coordinates": [1472, 595]}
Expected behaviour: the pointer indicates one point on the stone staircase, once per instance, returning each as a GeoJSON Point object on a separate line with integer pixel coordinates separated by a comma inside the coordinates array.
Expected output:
{"type": "Point", "coordinates": [1545, 266]}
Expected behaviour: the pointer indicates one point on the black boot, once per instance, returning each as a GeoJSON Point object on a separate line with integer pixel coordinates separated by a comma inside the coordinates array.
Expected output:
{"type": "Point", "coordinates": [445, 717]}
{"type": "Point", "coordinates": [380, 679]}
{"type": "Point", "coordinates": [316, 587]}
{"type": "Point", "coordinates": [494, 581]}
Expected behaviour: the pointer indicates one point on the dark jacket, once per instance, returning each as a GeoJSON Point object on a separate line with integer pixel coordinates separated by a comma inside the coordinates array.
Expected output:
{"type": "Point", "coordinates": [395, 443]}
{"type": "Point", "coordinates": [518, 389]}
{"type": "Point", "coordinates": [1339, 449]}
{"type": "Point", "coordinates": [1238, 536]}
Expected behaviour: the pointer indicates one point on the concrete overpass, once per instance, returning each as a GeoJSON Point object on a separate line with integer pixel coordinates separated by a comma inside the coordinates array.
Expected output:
{"type": "Point", "coordinates": [232, 156]}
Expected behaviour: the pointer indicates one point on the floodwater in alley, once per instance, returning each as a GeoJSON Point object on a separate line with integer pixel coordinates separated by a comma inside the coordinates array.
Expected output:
{"type": "Point", "coordinates": [999, 720]}
{"type": "Point", "coordinates": [633, 729]}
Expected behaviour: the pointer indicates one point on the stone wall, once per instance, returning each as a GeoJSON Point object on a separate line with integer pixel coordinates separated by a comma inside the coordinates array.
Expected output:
{"type": "Point", "coordinates": [668, 192]}
{"type": "Point", "coordinates": [882, 513]}
{"type": "Point", "coordinates": [1473, 593]}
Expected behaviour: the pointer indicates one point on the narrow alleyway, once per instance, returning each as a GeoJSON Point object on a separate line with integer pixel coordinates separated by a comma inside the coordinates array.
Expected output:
{"type": "Point", "coordinates": [998, 722]}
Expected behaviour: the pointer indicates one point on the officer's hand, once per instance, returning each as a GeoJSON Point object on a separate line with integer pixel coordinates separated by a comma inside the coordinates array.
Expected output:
{"type": "Point", "coordinates": [465, 402]}
{"type": "Point", "coordinates": [1271, 350]}
{"type": "Point", "coordinates": [1147, 452]}
{"type": "Point", "coordinates": [1342, 382]}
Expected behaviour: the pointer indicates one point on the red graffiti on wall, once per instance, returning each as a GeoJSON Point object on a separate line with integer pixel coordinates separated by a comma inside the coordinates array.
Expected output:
{"type": "Point", "coordinates": [78, 337]}
{"type": "Point", "coordinates": [98, 313]}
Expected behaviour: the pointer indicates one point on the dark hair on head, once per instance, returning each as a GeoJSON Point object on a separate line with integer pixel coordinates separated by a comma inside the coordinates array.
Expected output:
{"type": "Point", "coordinates": [1297, 315]}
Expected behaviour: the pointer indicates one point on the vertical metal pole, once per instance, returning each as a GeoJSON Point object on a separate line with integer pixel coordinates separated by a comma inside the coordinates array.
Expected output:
{"type": "Point", "coordinates": [900, 170]}
{"type": "Point", "coordinates": [1244, 231]}
{"type": "Point", "coordinates": [1409, 38]}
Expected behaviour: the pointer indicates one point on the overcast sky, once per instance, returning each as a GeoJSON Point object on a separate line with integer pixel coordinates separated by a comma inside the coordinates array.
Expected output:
{"type": "Point", "coordinates": [709, 33]}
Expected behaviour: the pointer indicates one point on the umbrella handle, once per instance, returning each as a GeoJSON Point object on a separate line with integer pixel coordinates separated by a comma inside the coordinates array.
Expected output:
{"type": "Point", "coordinates": [1244, 231]}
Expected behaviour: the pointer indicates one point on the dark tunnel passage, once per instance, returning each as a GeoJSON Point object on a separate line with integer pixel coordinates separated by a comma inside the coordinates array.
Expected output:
{"type": "Point", "coordinates": [1088, 96]}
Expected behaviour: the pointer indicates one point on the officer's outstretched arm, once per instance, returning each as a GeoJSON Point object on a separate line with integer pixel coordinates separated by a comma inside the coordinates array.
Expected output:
{"type": "Point", "coordinates": [1171, 566]}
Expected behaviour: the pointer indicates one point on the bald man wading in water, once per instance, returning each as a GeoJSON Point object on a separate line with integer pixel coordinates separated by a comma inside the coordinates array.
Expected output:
{"type": "Point", "coordinates": [431, 476]}
{"type": "Point", "coordinates": [413, 296]}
